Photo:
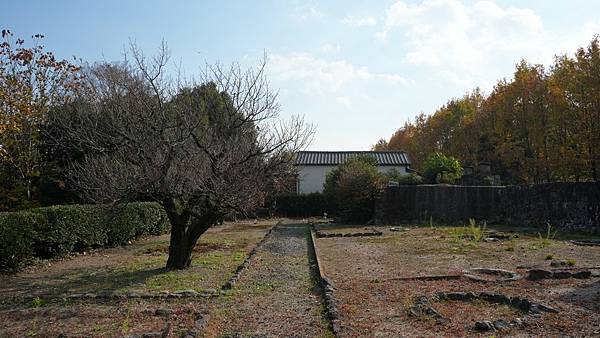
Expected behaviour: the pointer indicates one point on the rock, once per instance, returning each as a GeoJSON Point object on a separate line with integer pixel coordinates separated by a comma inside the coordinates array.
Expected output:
{"type": "Point", "coordinates": [460, 295]}
{"type": "Point", "coordinates": [441, 320]}
{"type": "Point", "coordinates": [103, 294]}
{"type": "Point", "coordinates": [441, 296]}
{"type": "Point", "coordinates": [209, 292]}
{"type": "Point", "coordinates": [546, 308]}
{"type": "Point", "coordinates": [162, 294]}
{"type": "Point", "coordinates": [516, 322]}
{"type": "Point", "coordinates": [534, 309]}
{"type": "Point", "coordinates": [164, 312]}
{"type": "Point", "coordinates": [522, 304]}
{"type": "Point", "coordinates": [556, 263]}
{"type": "Point", "coordinates": [132, 294]}
{"type": "Point", "coordinates": [432, 312]}
{"type": "Point", "coordinates": [494, 297]}
{"type": "Point", "coordinates": [561, 274]}
{"type": "Point", "coordinates": [200, 322]}
{"type": "Point", "coordinates": [537, 274]}
{"type": "Point", "coordinates": [398, 229]}
{"type": "Point", "coordinates": [500, 324]}
{"type": "Point", "coordinates": [415, 311]}
{"type": "Point", "coordinates": [582, 274]}
{"type": "Point", "coordinates": [484, 325]}
{"type": "Point", "coordinates": [187, 293]}
{"type": "Point", "coordinates": [151, 335]}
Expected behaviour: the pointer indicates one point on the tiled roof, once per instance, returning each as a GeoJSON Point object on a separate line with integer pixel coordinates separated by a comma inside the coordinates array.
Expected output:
{"type": "Point", "coordinates": [338, 157]}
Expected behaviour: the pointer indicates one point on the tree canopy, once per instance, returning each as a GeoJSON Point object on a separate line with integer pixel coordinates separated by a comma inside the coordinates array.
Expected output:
{"type": "Point", "coordinates": [200, 148]}
{"type": "Point", "coordinates": [32, 81]}
{"type": "Point", "coordinates": [542, 125]}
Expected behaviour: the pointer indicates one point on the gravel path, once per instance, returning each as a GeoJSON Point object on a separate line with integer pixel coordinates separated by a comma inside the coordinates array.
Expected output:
{"type": "Point", "coordinates": [277, 296]}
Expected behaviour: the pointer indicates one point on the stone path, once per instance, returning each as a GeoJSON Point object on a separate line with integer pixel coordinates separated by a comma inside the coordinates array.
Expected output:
{"type": "Point", "coordinates": [277, 295]}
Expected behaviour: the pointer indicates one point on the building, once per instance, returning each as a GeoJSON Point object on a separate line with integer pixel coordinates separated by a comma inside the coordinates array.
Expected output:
{"type": "Point", "coordinates": [313, 166]}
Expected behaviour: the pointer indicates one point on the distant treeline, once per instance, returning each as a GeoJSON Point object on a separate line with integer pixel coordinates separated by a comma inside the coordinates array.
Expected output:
{"type": "Point", "coordinates": [541, 126]}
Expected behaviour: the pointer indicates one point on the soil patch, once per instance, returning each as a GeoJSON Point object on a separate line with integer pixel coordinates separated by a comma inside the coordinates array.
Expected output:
{"type": "Point", "coordinates": [374, 282]}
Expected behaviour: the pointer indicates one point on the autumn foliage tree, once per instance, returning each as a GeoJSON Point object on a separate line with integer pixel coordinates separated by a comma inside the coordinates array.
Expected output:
{"type": "Point", "coordinates": [542, 125]}
{"type": "Point", "coordinates": [32, 80]}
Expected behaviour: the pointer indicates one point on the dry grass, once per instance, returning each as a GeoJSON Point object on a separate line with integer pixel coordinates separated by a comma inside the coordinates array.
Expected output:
{"type": "Point", "coordinates": [374, 304]}
{"type": "Point", "coordinates": [136, 267]}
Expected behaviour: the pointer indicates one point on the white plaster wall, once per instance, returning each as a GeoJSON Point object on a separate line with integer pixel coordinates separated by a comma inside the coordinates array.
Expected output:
{"type": "Point", "coordinates": [312, 177]}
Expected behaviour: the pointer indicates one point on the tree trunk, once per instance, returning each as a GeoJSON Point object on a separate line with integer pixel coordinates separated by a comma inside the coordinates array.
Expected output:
{"type": "Point", "coordinates": [180, 248]}
{"type": "Point", "coordinates": [185, 232]}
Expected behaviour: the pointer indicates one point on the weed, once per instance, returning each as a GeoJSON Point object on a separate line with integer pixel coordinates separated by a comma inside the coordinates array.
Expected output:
{"type": "Point", "coordinates": [571, 262]}
{"type": "Point", "coordinates": [512, 244]}
{"type": "Point", "coordinates": [126, 325]}
{"type": "Point", "coordinates": [34, 328]}
{"type": "Point", "coordinates": [477, 232]}
{"type": "Point", "coordinates": [549, 257]}
{"type": "Point", "coordinates": [547, 239]}
{"type": "Point", "coordinates": [37, 302]}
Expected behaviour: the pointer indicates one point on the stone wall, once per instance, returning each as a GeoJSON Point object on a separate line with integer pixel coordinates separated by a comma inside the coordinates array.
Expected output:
{"type": "Point", "coordinates": [566, 206]}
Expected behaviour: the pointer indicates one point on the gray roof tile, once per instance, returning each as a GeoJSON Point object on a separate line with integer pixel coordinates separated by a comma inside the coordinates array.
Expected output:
{"type": "Point", "coordinates": [337, 157]}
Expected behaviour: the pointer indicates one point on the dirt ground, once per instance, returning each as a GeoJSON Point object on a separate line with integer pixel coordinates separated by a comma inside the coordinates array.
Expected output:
{"type": "Point", "coordinates": [32, 302]}
{"type": "Point", "coordinates": [374, 299]}
{"type": "Point", "coordinates": [278, 294]}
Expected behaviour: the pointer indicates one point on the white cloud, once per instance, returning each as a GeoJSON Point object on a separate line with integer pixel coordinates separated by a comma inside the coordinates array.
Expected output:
{"type": "Point", "coordinates": [324, 77]}
{"type": "Point", "coordinates": [442, 32]}
{"type": "Point", "coordinates": [475, 43]}
{"type": "Point", "coordinates": [330, 48]}
{"type": "Point", "coordinates": [359, 21]}
{"type": "Point", "coordinates": [304, 13]}
{"type": "Point", "coordinates": [344, 101]}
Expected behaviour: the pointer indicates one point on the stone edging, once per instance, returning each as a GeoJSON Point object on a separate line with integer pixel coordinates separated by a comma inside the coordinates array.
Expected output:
{"type": "Point", "coordinates": [322, 234]}
{"type": "Point", "coordinates": [242, 267]}
{"type": "Point", "coordinates": [586, 242]}
{"type": "Point", "coordinates": [327, 287]}
{"type": "Point", "coordinates": [499, 274]}
{"type": "Point", "coordinates": [537, 274]}
{"type": "Point", "coordinates": [532, 310]}
{"type": "Point", "coordinates": [208, 293]}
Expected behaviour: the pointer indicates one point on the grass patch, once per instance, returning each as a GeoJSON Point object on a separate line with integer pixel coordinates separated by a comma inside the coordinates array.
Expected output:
{"type": "Point", "coordinates": [37, 302]}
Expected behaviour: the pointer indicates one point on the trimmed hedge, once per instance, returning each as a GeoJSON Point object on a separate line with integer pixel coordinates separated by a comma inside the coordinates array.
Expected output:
{"type": "Point", "coordinates": [301, 205]}
{"type": "Point", "coordinates": [58, 230]}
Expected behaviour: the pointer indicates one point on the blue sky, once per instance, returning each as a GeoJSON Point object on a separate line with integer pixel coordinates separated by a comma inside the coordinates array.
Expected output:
{"type": "Point", "coordinates": [356, 69]}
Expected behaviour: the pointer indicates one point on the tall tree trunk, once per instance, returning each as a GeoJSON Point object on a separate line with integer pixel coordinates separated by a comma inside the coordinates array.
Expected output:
{"type": "Point", "coordinates": [185, 232]}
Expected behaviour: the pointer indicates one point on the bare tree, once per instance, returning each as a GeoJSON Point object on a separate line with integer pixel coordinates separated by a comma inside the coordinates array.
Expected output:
{"type": "Point", "coordinates": [201, 149]}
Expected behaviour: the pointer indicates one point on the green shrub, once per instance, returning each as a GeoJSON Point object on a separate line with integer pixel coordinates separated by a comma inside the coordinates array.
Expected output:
{"type": "Point", "coordinates": [17, 239]}
{"type": "Point", "coordinates": [353, 187]}
{"type": "Point", "coordinates": [68, 228]}
{"type": "Point", "coordinates": [301, 205]}
{"type": "Point", "coordinates": [402, 178]}
{"type": "Point", "coordinates": [58, 230]}
{"type": "Point", "coordinates": [439, 168]}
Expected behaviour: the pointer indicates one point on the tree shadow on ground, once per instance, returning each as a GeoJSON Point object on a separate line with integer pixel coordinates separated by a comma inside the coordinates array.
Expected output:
{"type": "Point", "coordinates": [585, 295]}
{"type": "Point", "coordinates": [75, 281]}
